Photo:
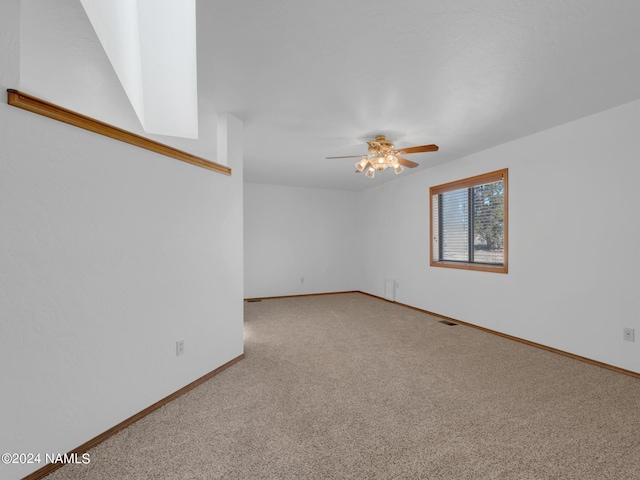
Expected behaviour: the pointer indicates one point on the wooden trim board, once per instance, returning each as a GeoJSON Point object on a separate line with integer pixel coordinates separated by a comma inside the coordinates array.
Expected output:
{"type": "Point", "coordinates": [42, 107]}
{"type": "Point", "coordinates": [487, 330]}
{"type": "Point", "coordinates": [300, 295]}
{"type": "Point", "coordinates": [47, 469]}
{"type": "Point", "coordinates": [50, 467]}
{"type": "Point", "coordinates": [517, 339]}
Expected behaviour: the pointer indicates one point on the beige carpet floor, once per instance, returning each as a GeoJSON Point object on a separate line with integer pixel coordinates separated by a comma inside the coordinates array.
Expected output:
{"type": "Point", "coordinates": [352, 387]}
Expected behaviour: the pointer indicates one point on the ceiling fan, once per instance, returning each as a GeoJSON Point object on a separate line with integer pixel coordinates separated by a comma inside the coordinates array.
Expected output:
{"type": "Point", "coordinates": [382, 154]}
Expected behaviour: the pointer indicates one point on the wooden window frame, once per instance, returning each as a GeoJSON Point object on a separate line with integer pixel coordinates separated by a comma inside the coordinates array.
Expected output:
{"type": "Point", "coordinates": [498, 175]}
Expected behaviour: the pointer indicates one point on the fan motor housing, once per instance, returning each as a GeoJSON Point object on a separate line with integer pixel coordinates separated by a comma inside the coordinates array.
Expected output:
{"type": "Point", "coordinates": [380, 145]}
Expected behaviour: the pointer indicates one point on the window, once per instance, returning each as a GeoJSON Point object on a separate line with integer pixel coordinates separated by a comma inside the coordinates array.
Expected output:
{"type": "Point", "coordinates": [469, 223]}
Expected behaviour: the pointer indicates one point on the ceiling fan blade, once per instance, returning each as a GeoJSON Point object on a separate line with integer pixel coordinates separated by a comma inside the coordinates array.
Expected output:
{"type": "Point", "coordinates": [350, 156]}
{"type": "Point", "coordinates": [421, 148]}
{"type": "Point", "coordinates": [406, 163]}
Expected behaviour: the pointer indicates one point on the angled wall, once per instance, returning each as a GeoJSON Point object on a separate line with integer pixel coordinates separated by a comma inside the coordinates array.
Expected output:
{"type": "Point", "coordinates": [57, 38]}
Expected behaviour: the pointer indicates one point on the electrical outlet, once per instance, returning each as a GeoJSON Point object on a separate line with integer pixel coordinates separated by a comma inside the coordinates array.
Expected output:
{"type": "Point", "coordinates": [628, 334]}
{"type": "Point", "coordinates": [179, 347]}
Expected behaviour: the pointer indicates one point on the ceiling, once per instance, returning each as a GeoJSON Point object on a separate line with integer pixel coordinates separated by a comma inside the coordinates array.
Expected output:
{"type": "Point", "coordinates": [314, 79]}
{"type": "Point", "coordinates": [317, 79]}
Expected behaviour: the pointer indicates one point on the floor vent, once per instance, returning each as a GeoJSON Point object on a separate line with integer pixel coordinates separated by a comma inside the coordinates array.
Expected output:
{"type": "Point", "coordinates": [252, 300]}
{"type": "Point", "coordinates": [447, 322]}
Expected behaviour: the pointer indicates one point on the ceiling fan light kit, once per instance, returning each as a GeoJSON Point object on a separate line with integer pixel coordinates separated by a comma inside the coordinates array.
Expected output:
{"type": "Point", "coordinates": [362, 164]}
{"type": "Point", "coordinates": [382, 155]}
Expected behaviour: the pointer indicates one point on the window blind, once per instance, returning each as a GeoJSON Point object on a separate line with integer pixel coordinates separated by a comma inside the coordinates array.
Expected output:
{"type": "Point", "coordinates": [468, 221]}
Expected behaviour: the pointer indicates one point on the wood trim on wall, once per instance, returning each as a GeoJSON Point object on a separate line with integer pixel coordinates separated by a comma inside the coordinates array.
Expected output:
{"type": "Point", "coordinates": [255, 299]}
{"type": "Point", "coordinates": [47, 469]}
{"type": "Point", "coordinates": [42, 107]}
{"type": "Point", "coordinates": [517, 339]}
{"type": "Point", "coordinates": [50, 467]}
{"type": "Point", "coordinates": [487, 330]}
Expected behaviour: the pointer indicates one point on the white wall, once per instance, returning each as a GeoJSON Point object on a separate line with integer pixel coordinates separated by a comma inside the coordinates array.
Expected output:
{"type": "Point", "coordinates": [573, 233]}
{"type": "Point", "coordinates": [108, 255]}
{"type": "Point", "coordinates": [293, 233]}
{"type": "Point", "coordinates": [57, 38]}
{"type": "Point", "coordinates": [573, 240]}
